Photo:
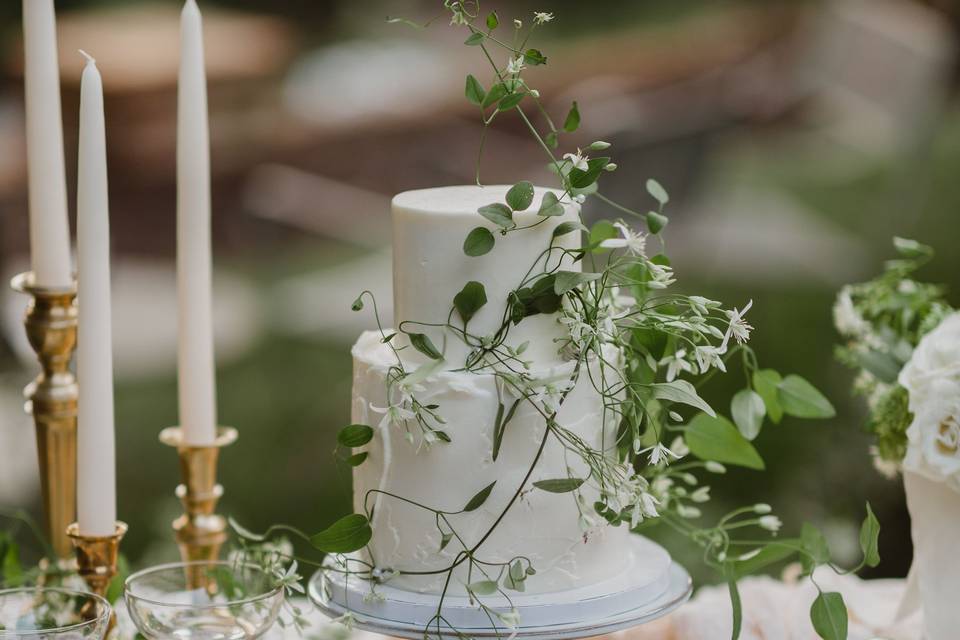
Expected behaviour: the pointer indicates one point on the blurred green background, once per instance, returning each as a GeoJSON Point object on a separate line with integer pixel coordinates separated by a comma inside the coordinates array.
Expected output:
{"type": "Point", "coordinates": [795, 138]}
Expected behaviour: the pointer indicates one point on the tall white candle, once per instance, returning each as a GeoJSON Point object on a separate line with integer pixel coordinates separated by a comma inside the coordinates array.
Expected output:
{"type": "Point", "coordinates": [197, 393]}
{"type": "Point", "coordinates": [47, 182]}
{"type": "Point", "coordinates": [96, 482]}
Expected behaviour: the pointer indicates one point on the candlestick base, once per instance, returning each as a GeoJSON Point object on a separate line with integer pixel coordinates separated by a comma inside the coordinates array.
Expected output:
{"type": "Point", "coordinates": [199, 532]}
{"type": "Point", "coordinates": [97, 559]}
{"type": "Point", "coordinates": [51, 325]}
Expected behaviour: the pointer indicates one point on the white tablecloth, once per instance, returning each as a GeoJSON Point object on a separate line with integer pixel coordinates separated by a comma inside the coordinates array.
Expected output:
{"type": "Point", "coordinates": [772, 610]}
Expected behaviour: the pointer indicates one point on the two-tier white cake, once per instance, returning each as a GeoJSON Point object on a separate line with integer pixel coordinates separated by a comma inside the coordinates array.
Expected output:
{"type": "Point", "coordinates": [430, 268]}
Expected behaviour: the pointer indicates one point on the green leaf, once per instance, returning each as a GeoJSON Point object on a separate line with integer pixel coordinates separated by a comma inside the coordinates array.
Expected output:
{"type": "Point", "coordinates": [355, 435]}
{"type": "Point", "coordinates": [770, 554]}
{"type": "Point", "coordinates": [568, 227]}
{"type": "Point", "coordinates": [483, 587]}
{"type": "Point", "coordinates": [884, 366]}
{"type": "Point", "coordinates": [474, 91]}
{"type": "Point", "coordinates": [870, 538]}
{"type": "Point", "coordinates": [683, 392]}
{"type": "Point", "coordinates": [479, 242]}
{"type": "Point", "coordinates": [534, 57]}
{"type": "Point", "coordinates": [493, 21]}
{"type": "Point", "coordinates": [568, 280]}
{"type": "Point", "coordinates": [520, 196]}
{"type": "Point", "coordinates": [477, 501]}
{"type": "Point", "coordinates": [494, 95]}
{"type": "Point", "coordinates": [656, 222]}
{"type": "Point", "coordinates": [829, 616]}
{"type": "Point", "coordinates": [765, 383]}
{"type": "Point", "coordinates": [550, 205]}
{"type": "Point", "coordinates": [572, 121]}
{"type": "Point", "coordinates": [551, 140]}
{"type": "Point", "coordinates": [357, 459]}
{"type": "Point", "coordinates": [657, 191]}
{"type": "Point", "coordinates": [474, 39]}
{"type": "Point", "coordinates": [580, 179]}
{"type": "Point", "coordinates": [715, 438]}
{"type": "Point", "coordinates": [559, 485]}
{"type": "Point", "coordinates": [747, 409]}
{"type": "Point", "coordinates": [814, 545]}
{"type": "Point", "coordinates": [500, 425]}
{"type": "Point", "coordinates": [347, 534]}
{"type": "Point", "coordinates": [801, 399]}
{"type": "Point", "coordinates": [497, 213]}
{"type": "Point", "coordinates": [600, 231]}
{"type": "Point", "coordinates": [511, 100]}
{"type": "Point", "coordinates": [470, 299]}
{"type": "Point", "coordinates": [12, 569]}
{"type": "Point", "coordinates": [445, 540]}
{"type": "Point", "coordinates": [424, 345]}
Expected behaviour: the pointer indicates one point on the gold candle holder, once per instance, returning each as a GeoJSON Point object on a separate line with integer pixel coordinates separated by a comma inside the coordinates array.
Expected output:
{"type": "Point", "coordinates": [97, 559]}
{"type": "Point", "coordinates": [51, 324]}
{"type": "Point", "coordinates": [199, 531]}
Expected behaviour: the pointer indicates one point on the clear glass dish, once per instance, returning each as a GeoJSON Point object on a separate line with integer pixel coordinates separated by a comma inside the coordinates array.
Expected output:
{"type": "Point", "coordinates": [203, 601]}
{"type": "Point", "coordinates": [41, 613]}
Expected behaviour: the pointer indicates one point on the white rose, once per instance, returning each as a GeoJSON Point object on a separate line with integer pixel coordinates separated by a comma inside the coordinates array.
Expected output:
{"type": "Point", "coordinates": [932, 378]}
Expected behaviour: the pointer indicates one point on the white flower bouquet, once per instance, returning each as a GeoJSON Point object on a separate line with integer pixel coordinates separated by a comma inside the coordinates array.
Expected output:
{"type": "Point", "coordinates": [904, 339]}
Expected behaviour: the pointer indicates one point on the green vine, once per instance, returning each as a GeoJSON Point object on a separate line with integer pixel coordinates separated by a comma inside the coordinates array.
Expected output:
{"type": "Point", "coordinates": [644, 350]}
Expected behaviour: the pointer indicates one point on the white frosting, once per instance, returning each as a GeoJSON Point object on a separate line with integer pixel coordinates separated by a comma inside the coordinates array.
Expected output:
{"type": "Point", "coordinates": [541, 526]}
{"type": "Point", "coordinates": [430, 267]}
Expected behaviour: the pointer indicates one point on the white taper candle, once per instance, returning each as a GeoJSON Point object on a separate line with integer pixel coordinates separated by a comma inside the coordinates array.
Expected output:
{"type": "Point", "coordinates": [96, 482]}
{"type": "Point", "coordinates": [47, 182]}
{"type": "Point", "coordinates": [196, 386]}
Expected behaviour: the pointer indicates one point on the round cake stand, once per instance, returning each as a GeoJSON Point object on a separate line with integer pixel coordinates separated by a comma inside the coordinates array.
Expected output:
{"type": "Point", "coordinates": [650, 586]}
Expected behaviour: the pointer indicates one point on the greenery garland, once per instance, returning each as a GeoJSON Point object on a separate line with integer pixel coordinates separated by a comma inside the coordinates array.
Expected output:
{"type": "Point", "coordinates": [644, 343]}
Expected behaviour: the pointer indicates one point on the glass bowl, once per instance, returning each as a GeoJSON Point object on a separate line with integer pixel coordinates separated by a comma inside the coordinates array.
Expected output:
{"type": "Point", "coordinates": [38, 613]}
{"type": "Point", "coordinates": [203, 601]}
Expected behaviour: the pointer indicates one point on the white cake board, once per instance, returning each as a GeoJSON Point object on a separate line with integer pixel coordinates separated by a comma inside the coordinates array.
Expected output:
{"type": "Point", "coordinates": [650, 586]}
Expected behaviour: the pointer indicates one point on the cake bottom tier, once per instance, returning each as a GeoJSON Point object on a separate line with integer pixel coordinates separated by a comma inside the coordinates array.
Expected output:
{"type": "Point", "coordinates": [403, 475]}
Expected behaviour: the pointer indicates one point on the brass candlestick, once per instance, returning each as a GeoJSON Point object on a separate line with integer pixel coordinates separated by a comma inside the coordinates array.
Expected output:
{"type": "Point", "coordinates": [199, 531]}
{"type": "Point", "coordinates": [51, 324]}
{"type": "Point", "coordinates": [97, 559]}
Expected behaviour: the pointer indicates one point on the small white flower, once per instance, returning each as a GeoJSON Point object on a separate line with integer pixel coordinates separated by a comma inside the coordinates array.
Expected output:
{"type": "Point", "coordinates": [662, 276]}
{"type": "Point", "coordinates": [676, 363]}
{"type": "Point", "coordinates": [542, 17]}
{"type": "Point", "coordinates": [518, 23]}
{"type": "Point", "coordinates": [659, 452]}
{"type": "Point", "coordinates": [846, 318]}
{"type": "Point", "coordinates": [714, 467]}
{"type": "Point", "coordinates": [634, 242]}
{"type": "Point", "coordinates": [686, 511]}
{"type": "Point", "coordinates": [534, 93]}
{"type": "Point", "coordinates": [515, 65]}
{"type": "Point", "coordinates": [701, 495]}
{"type": "Point", "coordinates": [762, 508]}
{"type": "Point", "coordinates": [458, 18]}
{"type": "Point", "coordinates": [648, 504]}
{"type": "Point", "coordinates": [770, 523]}
{"type": "Point", "coordinates": [738, 327]}
{"type": "Point", "coordinates": [907, 287]}
{"type": "Point", "coordinates": [578, 160]}
{"type": "Point", "coordinates": [579, 198]}
{"type": "Point", "coordinates": [394, 414]}
{"type": "Point", "coordinates": [709, 356]}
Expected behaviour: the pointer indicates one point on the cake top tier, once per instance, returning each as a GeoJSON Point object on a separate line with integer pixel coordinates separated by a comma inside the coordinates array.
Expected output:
{"type": "Point", "coordinates": [430, 268]}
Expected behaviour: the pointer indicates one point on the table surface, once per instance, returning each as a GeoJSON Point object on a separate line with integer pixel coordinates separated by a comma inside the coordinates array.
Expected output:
{"type": "Point", "coordinates": [772, 610]}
